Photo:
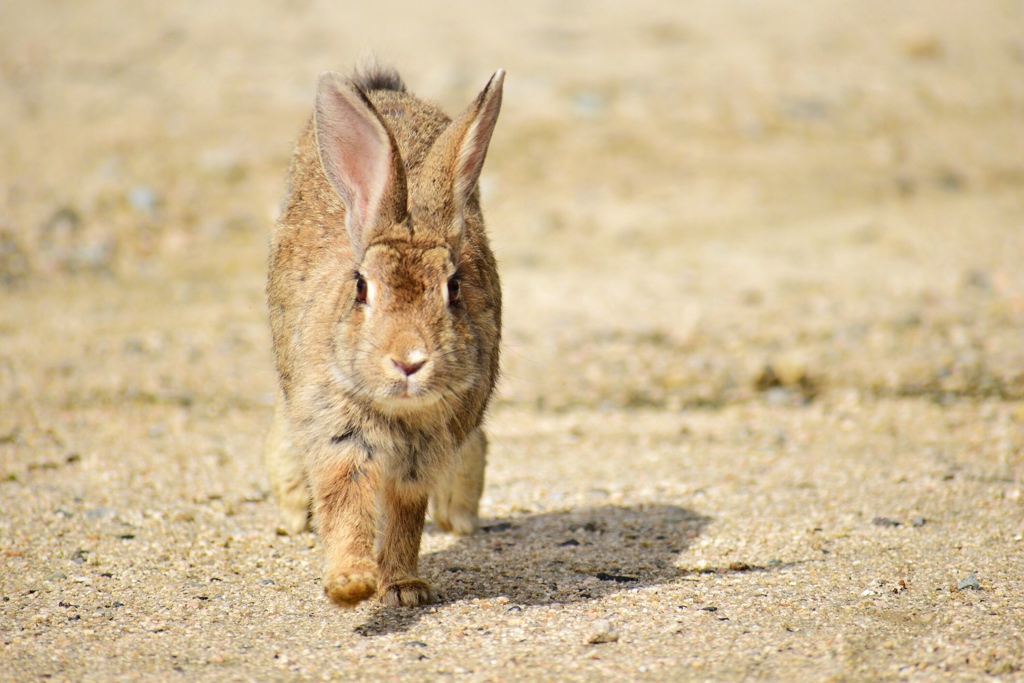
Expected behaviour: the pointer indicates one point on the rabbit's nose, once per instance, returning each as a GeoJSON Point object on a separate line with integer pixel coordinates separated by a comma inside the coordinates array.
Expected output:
{"type": "Point", "coordinates": [409, 368]}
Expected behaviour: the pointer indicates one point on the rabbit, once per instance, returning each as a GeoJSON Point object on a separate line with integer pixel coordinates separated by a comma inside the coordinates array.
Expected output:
{"type": "Point", "coordinates": [385, 312]}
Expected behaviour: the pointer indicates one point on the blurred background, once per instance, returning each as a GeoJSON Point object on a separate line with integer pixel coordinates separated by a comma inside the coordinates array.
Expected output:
{"type": "Point", "coordinates": [763, 264]}
{"type": "Point", "coordinates": [693, 204]}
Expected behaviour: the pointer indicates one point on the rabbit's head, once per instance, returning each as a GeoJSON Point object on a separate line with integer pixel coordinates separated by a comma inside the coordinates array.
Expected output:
{"type": "Point", "coordinates": [414, 316]}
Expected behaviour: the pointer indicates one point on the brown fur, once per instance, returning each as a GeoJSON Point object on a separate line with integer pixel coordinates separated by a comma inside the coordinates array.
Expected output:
{"type": "Point", "coordinates": [384, 185]}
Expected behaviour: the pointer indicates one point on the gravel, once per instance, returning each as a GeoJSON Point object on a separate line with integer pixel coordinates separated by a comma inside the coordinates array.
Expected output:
{"type": "Point", "coordinates": [762, 412]}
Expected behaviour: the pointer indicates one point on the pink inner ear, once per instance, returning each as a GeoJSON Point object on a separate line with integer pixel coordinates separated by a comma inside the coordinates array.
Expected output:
{"type": "Point", "coordinates": [355, 153]}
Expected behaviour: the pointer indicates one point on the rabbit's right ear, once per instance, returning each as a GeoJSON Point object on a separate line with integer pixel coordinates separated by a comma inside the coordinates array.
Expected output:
{"type": "Point", "coordinates": [452, 167]}
{"type": "Point", "coordinates": [359, 157]}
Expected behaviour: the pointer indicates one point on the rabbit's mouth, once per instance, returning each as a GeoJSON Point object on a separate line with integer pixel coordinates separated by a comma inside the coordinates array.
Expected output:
{"type": "Point", "coordinates": [408, 402]}
{"type": "Point", "coordinates": [408, 393]}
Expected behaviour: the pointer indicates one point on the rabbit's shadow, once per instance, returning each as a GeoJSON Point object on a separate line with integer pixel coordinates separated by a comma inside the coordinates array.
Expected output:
{"type": "Point", "coordinates": [557, 557]}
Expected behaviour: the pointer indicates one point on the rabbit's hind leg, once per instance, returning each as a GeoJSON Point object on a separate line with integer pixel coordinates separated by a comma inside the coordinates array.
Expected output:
{"type": "Point", "coordinates": [284, 469]}
{"type": "Point", "coordinates": [455, 501]}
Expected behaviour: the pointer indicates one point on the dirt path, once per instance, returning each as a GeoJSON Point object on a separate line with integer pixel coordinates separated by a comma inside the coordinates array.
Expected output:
{"type": "Point", "coordinates": [763, 396]}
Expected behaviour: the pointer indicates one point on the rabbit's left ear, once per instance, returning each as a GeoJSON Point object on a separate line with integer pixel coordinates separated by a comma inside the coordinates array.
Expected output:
{"type": "Point", "coordinates": [452, 167]}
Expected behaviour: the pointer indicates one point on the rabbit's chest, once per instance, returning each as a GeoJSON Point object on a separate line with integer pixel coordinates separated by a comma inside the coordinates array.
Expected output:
{"type": "Point", "coordinates": [410, 458]}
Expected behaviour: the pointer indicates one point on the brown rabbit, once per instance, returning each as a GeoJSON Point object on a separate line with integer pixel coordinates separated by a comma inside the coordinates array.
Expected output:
{"type": "Point", "coordinates": [385, 309]}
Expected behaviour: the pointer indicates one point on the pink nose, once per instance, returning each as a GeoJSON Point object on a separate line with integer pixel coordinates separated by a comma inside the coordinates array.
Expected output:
{"type": "Point", "coordinates": [408, 369]}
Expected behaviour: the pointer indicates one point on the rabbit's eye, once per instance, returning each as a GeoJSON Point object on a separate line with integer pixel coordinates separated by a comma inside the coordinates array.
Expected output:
{"type": "Point", "coordinates": [454, 291]}
{"type": "Point", "coordinates": [360, 289]}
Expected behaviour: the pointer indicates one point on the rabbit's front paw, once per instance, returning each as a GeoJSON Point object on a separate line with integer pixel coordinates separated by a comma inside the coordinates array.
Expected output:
{"type": "Point", "coordinates": [348, 586]}
{"type": "Point", "coordinates": [408, 592]}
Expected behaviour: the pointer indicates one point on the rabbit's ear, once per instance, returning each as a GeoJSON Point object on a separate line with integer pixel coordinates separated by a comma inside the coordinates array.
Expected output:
{"type": "Point", "coordinates": [478, 120]}
{"type": "Point", "coordinates": [359, 158]}
{"type": "Point", "coordinates": [453, 164]}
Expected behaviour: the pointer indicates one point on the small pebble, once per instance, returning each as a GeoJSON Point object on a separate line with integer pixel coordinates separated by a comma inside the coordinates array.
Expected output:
{"type": "Point", "coordinates": [588, 104]}
{"type": "Point", "coordinates": [778, 396]}
{"type": "Point", "coordinates": [920, 43]}
{"type": "Point", "coordinates": [970, 583]}
{"type": "Point", "coordinates": [602, 631]}
{"type": "Point", "coordinates": [142, 199]}
{"type": "Point", "coordinates": [182, 516]}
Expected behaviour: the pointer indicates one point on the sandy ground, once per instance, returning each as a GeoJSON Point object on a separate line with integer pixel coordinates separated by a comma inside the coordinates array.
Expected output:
{"type": "Point", "coordinates": [763, 395]}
